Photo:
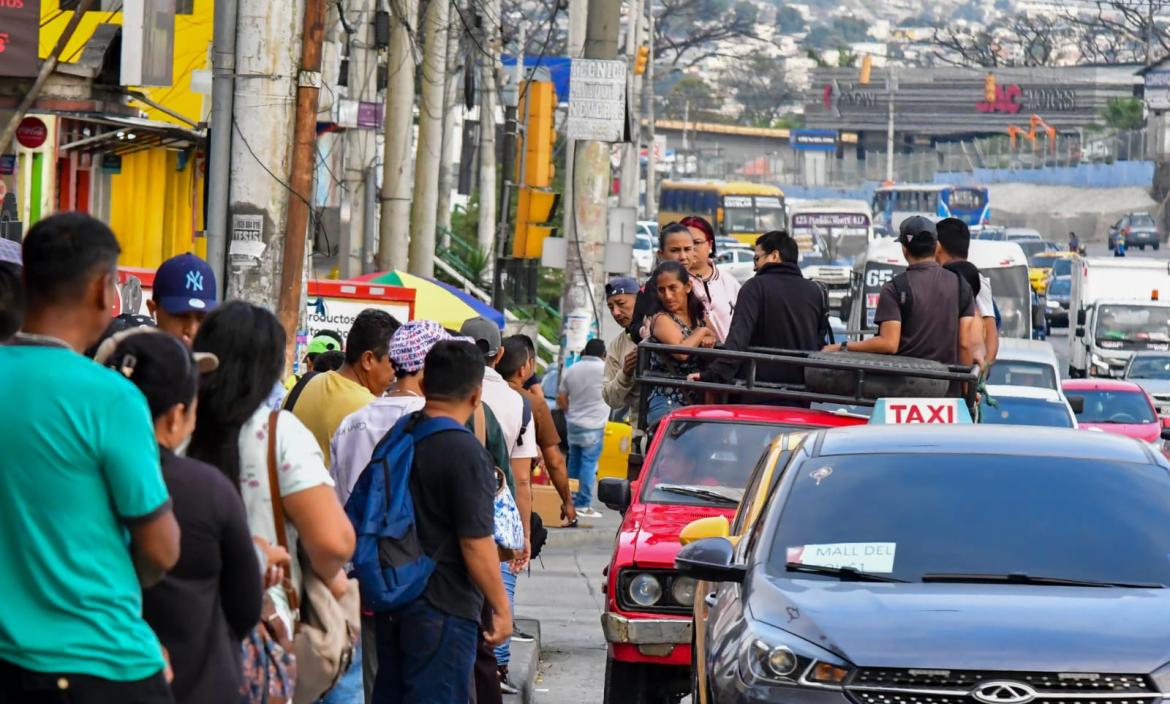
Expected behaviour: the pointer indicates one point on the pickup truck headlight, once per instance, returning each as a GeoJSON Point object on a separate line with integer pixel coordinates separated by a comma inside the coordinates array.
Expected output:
{"type": "Point", "coordinates": [645, 590]}
{"type": "Point", "coordinates": [771, 656]}
{"type": "Point", "coordinates": [655, 590]}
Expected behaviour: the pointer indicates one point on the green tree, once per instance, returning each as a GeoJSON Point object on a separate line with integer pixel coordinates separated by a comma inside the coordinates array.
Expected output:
{"type": "Point", "coordinates": [694, 99]}
{"type": "Point", "coordinates": [789, 20]}
{"type": "Point", "coordinates": [760, 89]}
{"type": "Point", "coordinates": [1124, 113]}
{"type": "Point", "coordinates": [846, 58]}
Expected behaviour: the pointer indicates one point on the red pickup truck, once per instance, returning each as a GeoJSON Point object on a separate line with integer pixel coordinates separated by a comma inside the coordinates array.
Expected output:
{"type": "Point", "coordinates": [697, 466]}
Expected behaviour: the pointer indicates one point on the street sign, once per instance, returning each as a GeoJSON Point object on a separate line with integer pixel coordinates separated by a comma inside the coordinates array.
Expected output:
{"type": "Point", "coordinates": [1158, 90]}
{"type": "Point", "coordinates": [19, 32]}
{"type": "Point", "coordinates": [31, 133]}
{"type": "Point", "coordinates": [813, 140]}
{"type": "Point", "coordinates": [597, 100]}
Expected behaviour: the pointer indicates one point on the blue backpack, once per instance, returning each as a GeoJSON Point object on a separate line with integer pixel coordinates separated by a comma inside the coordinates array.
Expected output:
{"type": "Point", "coordinates": [389, 563]}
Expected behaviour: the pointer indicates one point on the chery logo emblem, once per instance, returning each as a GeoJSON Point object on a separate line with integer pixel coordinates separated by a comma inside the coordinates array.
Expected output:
{"type": "Point", "coordinates": [1003, 693]}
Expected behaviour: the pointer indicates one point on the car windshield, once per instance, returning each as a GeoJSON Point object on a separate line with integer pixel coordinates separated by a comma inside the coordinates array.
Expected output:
{"type": "Point", "coordinates": [1013, 410]}
{"type": "Point", "coordinates": [1133, 323]}
{"type": "Point", "coordinates": [1124, 407]}
{"type": "Point", "coordinates": [642, 243]}
{"type": "Point", "coordinates": [1008, 372]}
{"type": "Point", "coordinates": [700, 460]}
{"type": "Point", "coordinates": [1060, 286]}
{"type": "Point", "coordinates": [1042, 261]}
{"type": "Point", "coordinates": [1013, 295]}
{"type": "Point", "coordinates": [1033, 248]}
{"type": "Point", "coordinates": [1149, 368]}
{"type": "Point", "coordinates": [983, 514]}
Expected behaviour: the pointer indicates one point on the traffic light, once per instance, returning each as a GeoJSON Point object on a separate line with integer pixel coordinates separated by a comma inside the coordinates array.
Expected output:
{"type": "Point", "coordinates": [534, 210]}
{"type": "Point", "coordinates": [989, 88]}
{"type": "Point", "coordinates": [866, 70]}
{"type": "Point", "coordinates": [641, 58]}
{"type": "Point", "coordinates": [534, 153]}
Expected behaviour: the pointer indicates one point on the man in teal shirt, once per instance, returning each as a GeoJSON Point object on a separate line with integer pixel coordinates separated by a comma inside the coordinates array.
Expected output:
{"type": "Point", "coordinates": [85, 519]}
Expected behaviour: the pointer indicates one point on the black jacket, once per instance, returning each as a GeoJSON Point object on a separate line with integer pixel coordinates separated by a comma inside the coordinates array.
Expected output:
{"type": "Point", "coordinates": [780, 309]}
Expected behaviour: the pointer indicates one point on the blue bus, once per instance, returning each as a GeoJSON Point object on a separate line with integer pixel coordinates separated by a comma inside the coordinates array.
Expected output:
{"type": "Point", "coordinates": [893, 204]}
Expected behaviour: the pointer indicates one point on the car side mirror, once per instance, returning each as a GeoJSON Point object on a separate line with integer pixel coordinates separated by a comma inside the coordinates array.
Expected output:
{"type": "Point", "coordinates": [710, 560]}
{"type": "Point", "coordinates": [614, 493]}
{"type": "Point", "coordinates": [1080, 319]}
{"type": "Point", "coordinates": [1166, 433]}
{"type": "Point", "coordinates": [1080, 331]}
{"type": "Point", "coordinates": [1077, 403]}
{"type": "Point", "coordinates": [634, 466]}
{"type": "Point", "coordinates": [703, 528]}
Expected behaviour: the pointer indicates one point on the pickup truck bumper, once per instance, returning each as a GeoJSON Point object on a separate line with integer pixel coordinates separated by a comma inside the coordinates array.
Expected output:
{"type": "Point", "coordinates": [646, 631]}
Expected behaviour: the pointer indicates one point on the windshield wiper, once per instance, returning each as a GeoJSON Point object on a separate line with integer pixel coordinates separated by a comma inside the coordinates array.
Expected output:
{"type": "Point", "coordinates": [1021, 578]}
{"type": "Point", "coordinates": [845, 574]}
{"type": "Point", "coordinates": [700, 492]}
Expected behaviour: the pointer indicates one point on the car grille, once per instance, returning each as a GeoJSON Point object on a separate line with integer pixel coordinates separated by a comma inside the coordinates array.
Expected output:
{"type": "Point", "coordinates": [905, 686]}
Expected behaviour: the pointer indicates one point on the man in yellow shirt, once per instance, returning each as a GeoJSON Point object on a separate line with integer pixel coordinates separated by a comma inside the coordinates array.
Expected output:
{"type": "Point", "coordinates": [367, 372]}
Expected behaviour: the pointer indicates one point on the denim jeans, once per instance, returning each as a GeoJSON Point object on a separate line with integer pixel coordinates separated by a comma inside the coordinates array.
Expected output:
{"type": "Point", "coordinates": [657, 407]}
{"type": "Point", "coordinates": [425, 656]}
{"type": "Point", "coordinates": [349, 689]}
{"type": "Point", "coordinates": [504, 650]}
{"type": "Point", "coordinates": [584, 450]}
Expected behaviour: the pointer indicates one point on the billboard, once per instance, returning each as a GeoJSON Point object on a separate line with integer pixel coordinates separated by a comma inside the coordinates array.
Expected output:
{"type": "Point", "coordinates": [19, 31]}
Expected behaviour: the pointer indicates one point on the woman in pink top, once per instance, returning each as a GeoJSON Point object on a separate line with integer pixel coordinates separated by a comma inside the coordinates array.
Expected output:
{"type": "Point", "coordinates": [718, 291]}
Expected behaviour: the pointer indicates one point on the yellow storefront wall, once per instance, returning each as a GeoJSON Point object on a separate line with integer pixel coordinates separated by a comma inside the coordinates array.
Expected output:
{"type": "Point", "coordinates": [155, 208]}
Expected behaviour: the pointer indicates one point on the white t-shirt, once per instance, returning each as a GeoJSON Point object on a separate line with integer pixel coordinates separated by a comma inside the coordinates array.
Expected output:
{"type": "Point", "coordinates": [508, 406]}
{"type": "Point", "coordinates": [359, 433]}
{"type": "Point", "coordinates": [582, 384]}
{"type": "Point", "coordinates": [299, 466]}
{"type": "Point", "coordinates": [984, 301]}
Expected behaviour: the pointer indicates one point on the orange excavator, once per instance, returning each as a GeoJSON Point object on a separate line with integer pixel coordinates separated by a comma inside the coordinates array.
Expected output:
{"type": "Point", "coordinates": [1037, 123]}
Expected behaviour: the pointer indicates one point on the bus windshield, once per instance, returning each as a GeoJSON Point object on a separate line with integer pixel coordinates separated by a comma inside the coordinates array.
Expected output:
{"type": "Point", "coordinates": [752, 214]}
{"type": "Point", "coordinates": [967, 200]}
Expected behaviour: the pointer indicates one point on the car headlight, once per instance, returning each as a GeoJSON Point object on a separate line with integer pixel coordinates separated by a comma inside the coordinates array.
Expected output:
{"type": "Point", "coordinates": [645, 590]}
{"type": "Point", "coordinates": [682, 590]}
{"type": "Point", "coordinates": [1100, 362]}
{"type": "Point", "coordinates": [772, 656]}
{"type": "Point", "coordinates": [1051, 304]}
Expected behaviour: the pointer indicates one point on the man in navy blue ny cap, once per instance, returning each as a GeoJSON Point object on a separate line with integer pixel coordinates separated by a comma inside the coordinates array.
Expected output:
{"type": "Point", "coordinates": [183, 295]}
{"type": "Point", "coordinates": [618, 388]}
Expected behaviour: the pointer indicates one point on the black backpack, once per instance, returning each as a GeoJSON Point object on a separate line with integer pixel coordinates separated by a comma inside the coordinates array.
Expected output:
{"type": "Point", "coordinates": [901, 284]}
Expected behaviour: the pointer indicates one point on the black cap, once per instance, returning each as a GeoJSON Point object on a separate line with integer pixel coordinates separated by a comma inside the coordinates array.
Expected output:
{"type": "Point", "coordinates": [917, 229]}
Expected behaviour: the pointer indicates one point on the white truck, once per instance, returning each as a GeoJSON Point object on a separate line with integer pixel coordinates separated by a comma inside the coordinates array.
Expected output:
{"type": "Point", "coordinates": [1117, 306]}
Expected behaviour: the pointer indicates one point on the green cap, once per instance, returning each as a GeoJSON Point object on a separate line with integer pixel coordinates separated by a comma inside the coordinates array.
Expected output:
{"type": "Point", "coordinates": [322, 343]}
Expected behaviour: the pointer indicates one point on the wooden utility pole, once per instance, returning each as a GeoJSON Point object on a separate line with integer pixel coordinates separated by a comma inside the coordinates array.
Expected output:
{"type": "Point", "coordinates": [648, 96]}
{"type": "Point", "coordinates": [450, 106]}
{"type": "Point", "coordinates": [487, 128]}
{"type": "Point", "coordinates": [430, 139]}
{"type": "Point", "coordinates": [631, 152]}
{"type": "Point", "coordinates": [304, 159]}
{"type": "Point", "coordinates": [397, 179]}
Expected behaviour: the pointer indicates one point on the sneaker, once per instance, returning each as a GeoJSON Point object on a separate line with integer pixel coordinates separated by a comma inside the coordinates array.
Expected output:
{"type": "Point", "coordinates": [521, 637]}
{"type": "Point", "coordinates": [588, 512]}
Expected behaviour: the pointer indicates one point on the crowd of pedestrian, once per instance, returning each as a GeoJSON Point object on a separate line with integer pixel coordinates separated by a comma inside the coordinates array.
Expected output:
{"type": "Point", "coordinates": [184, 522]}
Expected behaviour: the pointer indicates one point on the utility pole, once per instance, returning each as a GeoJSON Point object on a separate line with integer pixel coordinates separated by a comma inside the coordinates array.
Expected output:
{"type": "Point", "coordinates": [631, 152]}
{"type": "Point", "coordinates": [223, 86]}
{"type": "Point", "coordinates": [892, 82]}
{"type": "Point", "coordinates": [585, 274]}
{"type": "Point", "coordinates": [268, 49]}
{"type": "Point", "coordinates": [354, 258]}
{"type": "Point", "coordinates": [512, 137]}
{"type": "Point", "coordinates": [397, 181]}
{"type": "Point", "coordinates": [648, 96]}
{"type": "Point", "coordinates": [290, 307]}
{"type": "Point", "coordinates": [430, 139]}
{"type": "Point", "coordinates": [487, 129]}
{"type": "Point", "coordinates": [450, 106]}
{"type": "Point", "coordinates": [1150, 34]}
{"type": "Point", "coordinates": [578, 16]}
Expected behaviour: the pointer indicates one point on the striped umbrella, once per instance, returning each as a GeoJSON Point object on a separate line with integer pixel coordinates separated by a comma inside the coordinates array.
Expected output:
{"type": "Point", "coordinates": [435, 300]}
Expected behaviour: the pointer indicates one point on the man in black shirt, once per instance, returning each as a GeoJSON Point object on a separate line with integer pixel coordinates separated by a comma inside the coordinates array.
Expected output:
{"type": "Point", "coordinates": [920, 314]}
{"type": "Point", "coordinates": [426, 650]}
{"type": "Point", "coordinates": [777, 308]}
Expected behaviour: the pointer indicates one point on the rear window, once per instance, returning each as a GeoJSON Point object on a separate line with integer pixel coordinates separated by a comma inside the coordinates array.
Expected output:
{"type": "Point", "coordinates": [1033, 374]}
{"type": "Point", "coordinates": [1149, 368]}
{"type": "Point", "coordinates": [966, 198]}
{"type": "Point", "coordinates": [1141, 220]}
{"type": "Point", "coordinates": [984, 514]}
{"type": "Point", "coordinates": [701, 462]}
{"type": "Point", "coordinates": [1024, 411]}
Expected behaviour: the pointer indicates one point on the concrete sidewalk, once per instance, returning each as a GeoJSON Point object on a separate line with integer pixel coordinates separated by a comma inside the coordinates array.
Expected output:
{"type": "Point", "coordinates": [565, 595]}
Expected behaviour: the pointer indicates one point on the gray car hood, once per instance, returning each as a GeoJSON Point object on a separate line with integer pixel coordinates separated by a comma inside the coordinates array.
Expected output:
{"type": "Point", "coordinates": [972, 626]}
{"type": "Point", "coordinates": [1153, 386]}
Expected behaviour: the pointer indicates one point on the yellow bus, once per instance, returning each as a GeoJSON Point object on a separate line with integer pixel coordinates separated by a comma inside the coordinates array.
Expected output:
{"type": "Point", "coordinates": [737, 209]}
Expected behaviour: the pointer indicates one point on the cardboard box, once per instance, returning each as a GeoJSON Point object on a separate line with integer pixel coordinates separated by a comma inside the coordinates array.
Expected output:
{"type": "Point", "coordinates": [547, 502]}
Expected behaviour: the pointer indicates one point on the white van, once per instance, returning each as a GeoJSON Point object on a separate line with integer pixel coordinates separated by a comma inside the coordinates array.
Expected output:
{"type": "Point", "coordinates": [1003, 263]}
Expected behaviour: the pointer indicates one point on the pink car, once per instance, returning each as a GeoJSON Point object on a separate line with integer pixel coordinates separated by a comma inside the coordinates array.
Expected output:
{"type": "Point", "coordinates": [1115, 406]}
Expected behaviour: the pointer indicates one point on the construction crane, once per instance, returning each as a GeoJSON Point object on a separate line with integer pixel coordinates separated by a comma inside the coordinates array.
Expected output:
{"type": "Point", "coordinates": [1036, 123]}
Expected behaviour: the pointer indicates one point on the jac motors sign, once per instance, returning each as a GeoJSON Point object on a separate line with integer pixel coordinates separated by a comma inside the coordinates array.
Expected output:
{"type": "Point", "coordinates": [1011, 99]}
{"type": "Point", "coordinates": [19, 30]}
